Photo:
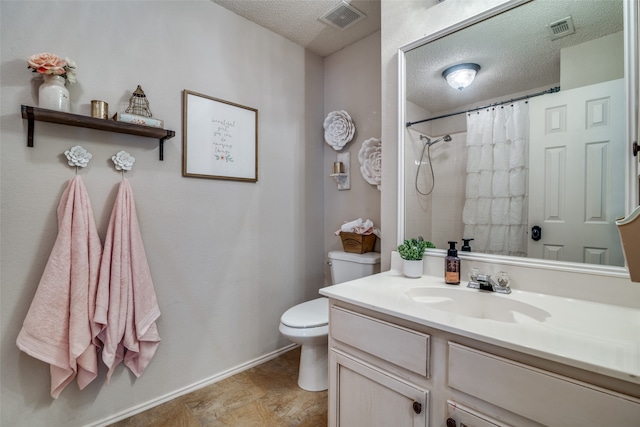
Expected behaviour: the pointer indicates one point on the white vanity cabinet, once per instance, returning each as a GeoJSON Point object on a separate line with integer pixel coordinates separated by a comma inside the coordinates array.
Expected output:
{"type": "Point", "coordinates": [371, 367]}
{"type": "Point", "coordinates": [387, 371]}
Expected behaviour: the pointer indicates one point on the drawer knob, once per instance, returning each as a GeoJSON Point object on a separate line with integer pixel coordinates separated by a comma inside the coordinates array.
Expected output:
{"type": "Point", "coordinates": [417, 407]}
{"type": "Point", "coordinates": [451, 422]}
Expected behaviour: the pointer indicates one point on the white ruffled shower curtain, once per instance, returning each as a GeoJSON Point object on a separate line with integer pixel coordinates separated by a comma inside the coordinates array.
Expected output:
{"type": "Point", "coordinates": [495, 209]}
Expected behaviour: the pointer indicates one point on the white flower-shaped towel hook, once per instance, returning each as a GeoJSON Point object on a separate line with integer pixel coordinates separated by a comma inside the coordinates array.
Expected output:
{"type": "Point", "coordinates": [77, 156]}
{"type": "Point", "coordinates": [123, 161]}
{"type": "Point", "coordinates": [370, 157]}
{"type": "Point", "coordinates": [338, 129]}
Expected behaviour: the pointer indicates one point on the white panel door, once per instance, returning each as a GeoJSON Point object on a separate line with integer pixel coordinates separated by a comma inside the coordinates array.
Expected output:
{"type": "Point", "coordinates": [576, 174]}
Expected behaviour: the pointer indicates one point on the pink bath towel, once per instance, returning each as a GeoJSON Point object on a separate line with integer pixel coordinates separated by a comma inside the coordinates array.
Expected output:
{"type": "Point", "coordinates": [126, 304]}
{"type": "Point", "coordinates": [59, 327]}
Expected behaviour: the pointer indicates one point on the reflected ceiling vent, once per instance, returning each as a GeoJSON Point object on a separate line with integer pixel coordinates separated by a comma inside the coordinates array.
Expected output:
{"type": "Point", "coordinates": [561, 28]}
{"type": "Point", "coordinates": [342, 16]}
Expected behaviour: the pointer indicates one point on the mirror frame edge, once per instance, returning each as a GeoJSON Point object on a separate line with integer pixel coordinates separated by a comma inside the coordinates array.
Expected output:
{"type": "Point", "coordinates": [631, 55]}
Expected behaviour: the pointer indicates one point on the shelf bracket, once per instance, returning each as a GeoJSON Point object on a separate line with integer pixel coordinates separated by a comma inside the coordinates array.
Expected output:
{"type": "Point", "coordinates": [30, 126]}
{"type": "Point", "coordinates": [170, 134]}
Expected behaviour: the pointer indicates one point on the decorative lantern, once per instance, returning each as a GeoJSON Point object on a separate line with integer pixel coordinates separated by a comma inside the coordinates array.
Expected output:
{"type": "Point", "coordinates": [138, 104]}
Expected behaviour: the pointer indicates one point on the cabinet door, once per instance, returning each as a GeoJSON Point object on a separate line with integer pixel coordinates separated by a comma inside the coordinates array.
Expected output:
{"type": "Point", "coordinates": [369, 397]}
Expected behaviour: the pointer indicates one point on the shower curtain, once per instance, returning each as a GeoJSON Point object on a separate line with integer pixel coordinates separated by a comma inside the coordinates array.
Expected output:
{"type": "Point", "coordinates": [495, 209]}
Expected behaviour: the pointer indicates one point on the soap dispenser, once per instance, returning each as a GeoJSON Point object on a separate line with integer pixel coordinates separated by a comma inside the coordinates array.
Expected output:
{"type": "Point", "coordinates": [452, 265]}
{"type": "Point", "coordinates": [465, 245]}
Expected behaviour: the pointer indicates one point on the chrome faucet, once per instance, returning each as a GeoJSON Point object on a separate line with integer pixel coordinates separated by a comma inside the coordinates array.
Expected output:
{"type": "Point", "coordinates": [485, 282]}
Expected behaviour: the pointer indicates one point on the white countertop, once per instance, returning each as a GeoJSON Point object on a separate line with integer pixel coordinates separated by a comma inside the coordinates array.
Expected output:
{"type": "Point", "coordinates": [596, 337]}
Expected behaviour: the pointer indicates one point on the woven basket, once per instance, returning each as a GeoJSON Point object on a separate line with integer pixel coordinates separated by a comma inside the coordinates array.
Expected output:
{"type": "Point", "coordinates": [357, 243]}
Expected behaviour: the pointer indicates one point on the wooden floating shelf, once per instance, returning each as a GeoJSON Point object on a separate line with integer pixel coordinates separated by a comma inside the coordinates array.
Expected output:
{"type": "Point", "coordinates": [44, 115]}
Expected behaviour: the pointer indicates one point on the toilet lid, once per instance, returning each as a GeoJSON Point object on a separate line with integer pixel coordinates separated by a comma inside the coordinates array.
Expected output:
{"type": "Point", "coordinates": [310, 314]}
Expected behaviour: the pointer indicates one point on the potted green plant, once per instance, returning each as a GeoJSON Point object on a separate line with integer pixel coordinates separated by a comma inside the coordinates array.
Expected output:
{"type": "Point", "coordinates": [411, 251]}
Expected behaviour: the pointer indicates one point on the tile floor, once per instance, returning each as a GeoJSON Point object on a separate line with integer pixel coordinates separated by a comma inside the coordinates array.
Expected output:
{"type": "Point", "coordinates": [266, 395]}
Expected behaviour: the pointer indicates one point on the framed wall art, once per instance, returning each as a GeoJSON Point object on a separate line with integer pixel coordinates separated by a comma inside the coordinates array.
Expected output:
{"type": "Point", "coordinates": [219, 139]}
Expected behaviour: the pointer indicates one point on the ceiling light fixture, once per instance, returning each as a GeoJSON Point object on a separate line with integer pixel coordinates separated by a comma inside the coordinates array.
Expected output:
{"type": "Point", "coordinates": [461, 75]}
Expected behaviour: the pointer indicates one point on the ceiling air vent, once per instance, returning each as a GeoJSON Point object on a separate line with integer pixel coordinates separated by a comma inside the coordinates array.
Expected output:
{"type": "Point", "coordinates": [342, 16]}
{"type": "Point", "coordinates": [561, 28]}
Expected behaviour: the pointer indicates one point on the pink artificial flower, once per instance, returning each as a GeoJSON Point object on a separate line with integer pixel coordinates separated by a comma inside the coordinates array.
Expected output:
{"type": "Point", "coordinates": [47, 63]}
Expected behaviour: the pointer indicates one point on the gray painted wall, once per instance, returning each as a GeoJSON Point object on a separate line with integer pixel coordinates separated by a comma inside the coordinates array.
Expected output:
{"type": "Point", "coordinates": [227, 258]}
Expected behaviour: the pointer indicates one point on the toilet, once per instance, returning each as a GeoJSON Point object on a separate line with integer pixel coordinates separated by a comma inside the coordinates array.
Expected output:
{"type": "Point", "coordinates": [307, 323]}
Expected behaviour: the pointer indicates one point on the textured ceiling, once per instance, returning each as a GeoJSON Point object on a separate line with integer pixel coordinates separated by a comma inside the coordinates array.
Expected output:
{"type": "Point", "coordinates": [514, 49]}
{"type": "Point", "coordinates": [297, 20]}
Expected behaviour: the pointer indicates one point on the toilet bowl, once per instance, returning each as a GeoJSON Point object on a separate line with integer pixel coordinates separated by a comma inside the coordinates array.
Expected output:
{"type": "Point", "coordinates": [307, 324]}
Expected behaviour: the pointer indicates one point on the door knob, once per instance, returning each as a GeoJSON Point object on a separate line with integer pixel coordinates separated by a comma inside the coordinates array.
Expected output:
{"type": "Point", "coordinates": [417, 407]}
{"type": "Point", "coordinates": [536, 232]}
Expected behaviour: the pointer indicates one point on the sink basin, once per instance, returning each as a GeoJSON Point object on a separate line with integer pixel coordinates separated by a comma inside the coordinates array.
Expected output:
{"type": "Point", "coordinates": [477, 304]}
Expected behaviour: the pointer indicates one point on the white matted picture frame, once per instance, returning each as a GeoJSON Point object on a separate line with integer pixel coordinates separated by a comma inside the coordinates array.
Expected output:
{"type": "Point", "coordinates": [219, 139]}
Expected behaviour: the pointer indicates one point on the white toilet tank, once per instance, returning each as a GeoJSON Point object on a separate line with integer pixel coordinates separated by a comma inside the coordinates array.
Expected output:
{"type": "Point", "coordinates": [347, 266]}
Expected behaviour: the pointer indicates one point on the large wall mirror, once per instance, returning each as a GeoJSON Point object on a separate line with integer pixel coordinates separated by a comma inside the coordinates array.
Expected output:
{"type": "Point", "coordinates": [533, 158]}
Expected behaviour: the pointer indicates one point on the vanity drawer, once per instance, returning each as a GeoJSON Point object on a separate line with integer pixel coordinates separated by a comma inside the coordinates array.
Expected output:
{"type": "Point", "coordinates": [403, 347]}
{"type": "Point", "coordinates": [536, 394]}
{"type": "Point", "coordinates": [463, 416]}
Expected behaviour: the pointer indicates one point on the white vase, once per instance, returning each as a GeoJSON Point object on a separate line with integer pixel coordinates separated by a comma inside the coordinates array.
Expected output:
{"type": "Point", "coordinates": [412, 268]}
{"type": "Point", "coordinates": [53, 94]}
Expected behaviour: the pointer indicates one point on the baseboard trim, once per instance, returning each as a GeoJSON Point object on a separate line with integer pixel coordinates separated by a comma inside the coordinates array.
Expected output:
{"type": "Point", "coordinates": [188, 389]}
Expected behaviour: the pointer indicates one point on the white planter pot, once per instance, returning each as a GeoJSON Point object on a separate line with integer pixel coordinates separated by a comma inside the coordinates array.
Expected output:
{"type": "Point", "coordinates": [412, 268]}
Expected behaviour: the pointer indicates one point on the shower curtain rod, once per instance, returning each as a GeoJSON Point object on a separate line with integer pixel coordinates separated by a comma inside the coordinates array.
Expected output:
{"type": "Point", "coordinates": [552, 90]}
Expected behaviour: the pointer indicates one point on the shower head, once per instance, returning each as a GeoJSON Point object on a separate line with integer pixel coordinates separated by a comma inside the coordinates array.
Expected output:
{"type": "Point", "coordinates": [446, 138]}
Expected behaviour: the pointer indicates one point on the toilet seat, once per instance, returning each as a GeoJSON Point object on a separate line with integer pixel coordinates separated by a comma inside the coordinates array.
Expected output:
{"type": "Point", "coordinates": [310, 314]}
